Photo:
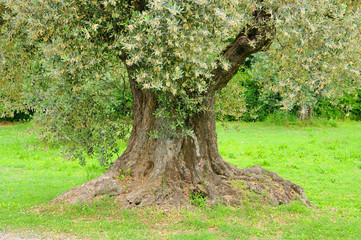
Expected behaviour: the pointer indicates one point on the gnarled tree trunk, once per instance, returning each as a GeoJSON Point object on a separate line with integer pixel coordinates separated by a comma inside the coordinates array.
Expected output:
{"type": "Point", "coordinates": [168, 170]}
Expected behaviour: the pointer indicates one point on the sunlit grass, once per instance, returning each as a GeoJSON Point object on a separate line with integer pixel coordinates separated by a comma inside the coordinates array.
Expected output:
{"type": "Point", "coordinates": [325, 160]}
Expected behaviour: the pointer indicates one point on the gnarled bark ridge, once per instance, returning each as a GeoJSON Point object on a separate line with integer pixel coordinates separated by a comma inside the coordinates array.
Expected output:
{"type": "Point", "coordinates": [168, 171]}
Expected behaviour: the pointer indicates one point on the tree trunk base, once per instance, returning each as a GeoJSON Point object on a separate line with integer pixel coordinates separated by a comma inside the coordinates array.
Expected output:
{"type": "Point", "coordinates": [270, 188]}
{"type": "Point", "coordinates": [172, 171]}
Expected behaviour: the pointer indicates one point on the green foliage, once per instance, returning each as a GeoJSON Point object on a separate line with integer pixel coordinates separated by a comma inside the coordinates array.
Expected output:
{"type": "Point", "coordinates": [280, 118]}
{"type": "Point", "coordinates": [349, 106]}
{"type": "Point", "coordinates": [76, 85]}
{"type": "Point", "coordinates": [2, 11]}
{"type": "Point", "coordinates": [352, 105]}
{"type": "Point", "coordinates": [314, 56]}
{"type": "Point", "coordinates": [231, 103]}
{"type": "Point", "coordinates": [198, 199]}
{"type": "Point", "coordinates": [14, 60]}
{"type": "Point", "coordinates": [243, 99]}
{"type": "Point", "coordinates": [19, 117]}
{"type": "Point", "coordinates": [123, 175]}
{"type": "Point", "coordinates": [88, 117]}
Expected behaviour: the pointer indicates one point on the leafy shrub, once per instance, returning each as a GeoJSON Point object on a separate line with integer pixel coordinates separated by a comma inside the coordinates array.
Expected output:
{"type": "Point", "coordinates": [18, 116]}
{"type": "Point", "coordinates": [281, 117]}
{"type": "Point", "coordinates": [347, 106]}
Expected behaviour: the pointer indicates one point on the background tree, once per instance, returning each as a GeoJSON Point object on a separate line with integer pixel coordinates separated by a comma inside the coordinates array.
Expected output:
{"type": "Point", "coordinates": [231, 102]}
{"type": "Point", "coordinates": [12, 50]}
{"type": "Point", "coordinates": [244, 99]}
{"type": "Point", "coordinates": [313, 58]}
{"type": "Point", "coordinates": [177, 56]}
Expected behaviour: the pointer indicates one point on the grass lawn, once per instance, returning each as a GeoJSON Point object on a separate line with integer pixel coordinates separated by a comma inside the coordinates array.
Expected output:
{"type": "Point", "coordinates": [324, 159]}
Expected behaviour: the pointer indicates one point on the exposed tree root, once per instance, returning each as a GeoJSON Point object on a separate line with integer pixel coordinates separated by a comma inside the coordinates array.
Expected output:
{"type": "Point", "coordinates": [218, 189]}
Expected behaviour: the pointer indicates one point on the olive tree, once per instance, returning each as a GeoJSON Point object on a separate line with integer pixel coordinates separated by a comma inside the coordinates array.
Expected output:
{"type": "Point", "coordinates": [177, 56]}
{"type": "Point", "coordinates": [314, 57]}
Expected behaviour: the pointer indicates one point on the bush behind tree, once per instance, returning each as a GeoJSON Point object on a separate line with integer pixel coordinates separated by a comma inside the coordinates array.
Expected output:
{"type": "Point", "coordinates": [243, 99]}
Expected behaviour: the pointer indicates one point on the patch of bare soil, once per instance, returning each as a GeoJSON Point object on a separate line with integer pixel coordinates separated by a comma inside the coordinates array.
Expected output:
{"type": "Point", "coordinates": [18, 236]}
{"type": "Point", "coordinates": [7, 123]}
{"type": "Point", "coordinates": [31, 236]}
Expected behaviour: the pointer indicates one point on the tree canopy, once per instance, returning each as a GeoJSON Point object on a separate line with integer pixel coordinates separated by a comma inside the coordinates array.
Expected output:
{"type": "Point", "coordinates": [71, 60]}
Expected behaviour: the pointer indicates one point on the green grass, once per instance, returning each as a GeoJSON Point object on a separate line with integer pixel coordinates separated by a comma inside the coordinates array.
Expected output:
{"type": "Point", "coordinates": [324, 159]}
